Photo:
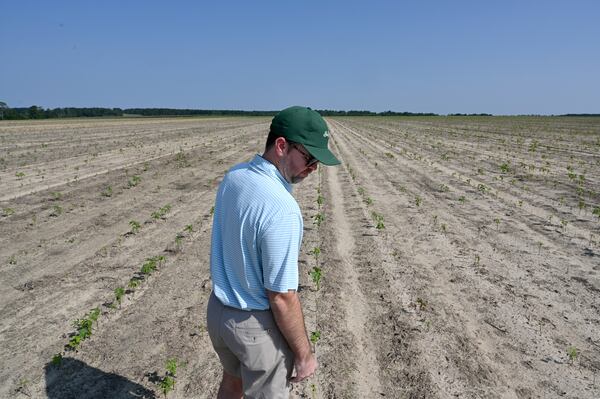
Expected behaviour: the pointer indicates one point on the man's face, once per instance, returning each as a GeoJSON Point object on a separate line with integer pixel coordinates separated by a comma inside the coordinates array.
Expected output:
{"type": "Point", "coordinates": [298, 163]}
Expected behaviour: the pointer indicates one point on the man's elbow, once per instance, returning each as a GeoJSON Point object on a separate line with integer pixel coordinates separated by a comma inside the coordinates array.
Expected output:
{"type": "Point", "coordinates": [282, 300]}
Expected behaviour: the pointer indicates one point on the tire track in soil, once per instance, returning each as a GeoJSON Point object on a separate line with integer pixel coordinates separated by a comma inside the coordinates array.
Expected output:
{"type": "Point", "coordinates": [386, 328]}
{"type": "Point", "coordinates": [356, 307]}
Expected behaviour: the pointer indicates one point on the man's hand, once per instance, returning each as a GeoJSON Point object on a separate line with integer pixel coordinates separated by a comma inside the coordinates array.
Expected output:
{"type": "Point", "coordinates": [305, 368]}
{"type": "Point", "coordinates": [287, 312]}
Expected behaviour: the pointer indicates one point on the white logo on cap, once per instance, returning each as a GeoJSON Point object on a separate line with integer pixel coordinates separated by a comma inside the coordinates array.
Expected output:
{"type": "Point", "coordinates": [326, 134]}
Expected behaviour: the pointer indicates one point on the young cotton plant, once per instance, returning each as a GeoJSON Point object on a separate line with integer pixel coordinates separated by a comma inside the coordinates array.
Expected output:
{"type": "Point", "coordinates": [316, 274]}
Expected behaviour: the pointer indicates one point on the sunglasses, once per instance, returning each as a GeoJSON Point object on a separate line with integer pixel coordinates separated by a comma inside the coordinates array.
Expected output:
{"type": "Point", "coordinates": [308, 159]}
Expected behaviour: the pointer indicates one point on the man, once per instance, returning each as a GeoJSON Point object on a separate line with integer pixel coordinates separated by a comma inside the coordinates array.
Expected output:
{"type": "Point", "coordinates": [254, 316]}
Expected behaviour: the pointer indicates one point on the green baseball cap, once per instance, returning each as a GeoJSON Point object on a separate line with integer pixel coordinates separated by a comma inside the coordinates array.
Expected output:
{"type": "Point", "coordinates": [304, 126]}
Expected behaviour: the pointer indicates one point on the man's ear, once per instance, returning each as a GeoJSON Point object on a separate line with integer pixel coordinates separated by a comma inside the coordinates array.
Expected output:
{"type": "Point", "coordinates": [280, 146]}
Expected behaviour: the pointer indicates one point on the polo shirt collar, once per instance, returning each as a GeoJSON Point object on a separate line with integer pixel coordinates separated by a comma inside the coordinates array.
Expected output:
{"type": "Point", "coordinates": [268, 168]}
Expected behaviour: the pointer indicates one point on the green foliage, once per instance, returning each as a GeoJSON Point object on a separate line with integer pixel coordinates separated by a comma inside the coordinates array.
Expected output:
{"type": "Point", "coordinates": [212, 211]}
{"type": "Point", "coordinates": [133, 283]}
{"type": "Point", "coordinates": [462, 199]}
{"type": "Point", "coordinates": [167, 383]}
{"type": "Point", "coordinates": [596, 211]}
{"type": "Point", "coordinates": [56, 196]}
{"type": "Point", "coordinates": [316, 274]}
{"type": "Point", "coordinates": [422, 304]}
{"type": "Point", "coordinates": [315, 336]}
{"type": "Point", "coordinates": [171, 367]}
{"type": "Point", "coordinates": [20, 175]}
{"type": "Point", "coordinates": [318, 219]}
{"type": "Point", "coordinates": [161, 213]}
{"type": "Point", "coordinates": [189, 228]}
{"type": "Point", "coordinates": [418, 201]}
{"type": "Point", "coordinates": [119, 292]}
{"type": "Point", "coordinates": [572, 352]}
{"type": "Point", "coordinates": [181, 160]}
{"type": "Point", "coordinates": [482, 188]}
{"type": "Point", "coordinates": [135, 226]}
{"type": "Point", "coordinates": [107, 192]}
{"type": "Point", "coordinates": [316, 252]}
{"type": "Point", "coordinates": [134, 181]}
{"type": "Point", "coordinates": [57, 359]}
{"type": "Point", "coordinates": [7, 211]}
{"type": "Point", "coordinates": [505, 168]}
{"type": "Point", "coordinates": [378, 218]}
{"type": "Point", "coordinates": [320, 200]}
{"type": "Point", "coordinates": [57, 210]}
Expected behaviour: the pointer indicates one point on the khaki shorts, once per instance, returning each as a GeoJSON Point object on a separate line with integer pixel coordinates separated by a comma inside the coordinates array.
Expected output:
{"type": "Point", "coordinates": [251, 347]}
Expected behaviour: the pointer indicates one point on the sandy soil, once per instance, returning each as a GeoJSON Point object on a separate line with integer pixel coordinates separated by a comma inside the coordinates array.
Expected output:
{"type": "Point", "coordinates": [482, 282]}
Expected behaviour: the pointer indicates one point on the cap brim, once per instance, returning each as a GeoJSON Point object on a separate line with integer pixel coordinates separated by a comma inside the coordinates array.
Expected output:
{"type": "Point", "coordinates": [324, 156]}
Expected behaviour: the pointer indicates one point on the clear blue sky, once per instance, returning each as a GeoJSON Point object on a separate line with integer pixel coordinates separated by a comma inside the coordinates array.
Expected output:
{"type": "Point", "coordinates": [501, 57]}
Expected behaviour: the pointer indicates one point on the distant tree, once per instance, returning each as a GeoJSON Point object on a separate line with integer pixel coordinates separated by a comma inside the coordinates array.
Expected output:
{"type": "Point", "coordinates": [36, 112]}
{"type": "Point", "coordinates": [3, 106]}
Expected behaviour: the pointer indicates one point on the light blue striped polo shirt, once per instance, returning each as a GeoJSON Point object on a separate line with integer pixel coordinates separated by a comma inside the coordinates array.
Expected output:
{"type": "Point", "coordinates": [256, 236]}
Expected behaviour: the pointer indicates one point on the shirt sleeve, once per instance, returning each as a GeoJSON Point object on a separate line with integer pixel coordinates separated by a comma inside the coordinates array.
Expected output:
{"type": "Point", "coordinates": [279, 248]}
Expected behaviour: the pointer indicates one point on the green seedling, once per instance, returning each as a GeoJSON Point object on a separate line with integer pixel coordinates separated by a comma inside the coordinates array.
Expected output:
{"type": "Point", "coordinates": [7, 211]}
{"type": "Point", "coordinates": [316, 252]}
{"type": "Point", "coordinates": [572, 352]}
{"type": "Point", "coordinates": [378, 218]}
{"type": "Point", "coordinates": [119, 292]}
{"type": "Point", "coordinates": [56, 196]}
{"type": "Point", "coordinates": [135, 226]}
{"type": "Point", "coordinates": [368, 201]}
{"type": "Point", "coordinates": [134, 181]}
{"type": "Point", "coordinates": [57, 210]}
{"type": "Point", "coordinates": [107, 192]}
{"type": "Point", "coordinates": [149, 266]}
{"type": "Point", "coordinates": [421, 303]}
{"type": "Point", "coordinates": [57, 359]}
{"type": "Point", "coordinates": [361, 191]}
{"type": "Point", "coordinates": [94, 314]}
{"type": "Point", "coordinates": [320, 200]}
{"type": "Point", "coordinates": [505, 168]}
{"type": "Point", "coordinates": [418, 201]}
{"type": "Point", "coordinates": [497, 221]}
{"type": "Point", "coordinates": [462, 199]}
{"type": "Point", "coordinates": [482, 188]}
{"type": "Point", "coordinates": [189, 228]}
{"type": "Point", "coordinates": [596, 211]}
{"type": "Point", "coordinates": [212, 211]}
{"type": "Point", "coordinates": [178, 241]}
{"type": "Point", "coordinates": [443, 227]}
{"type": "Point", "coordinates": [444, 188]}
{"type": "Point", "coordinates": [477, 259]}
{"type": "Point", "coordinates": [171, 367]}
{"type": "Point", "coordinates": [20, 175]}
{"type": "Point", "coordinates": [318, 219]}
{"type": "Point", "coordinates": [167, 383]}
{"type": "Point", "coordinates": [316, 275]}
{"type": "Point", "coordinates": [315, 336]}
{"type": "Point", "coordinates": [133, 283]}
{"type": "Point", "coordinates": [389, 155]}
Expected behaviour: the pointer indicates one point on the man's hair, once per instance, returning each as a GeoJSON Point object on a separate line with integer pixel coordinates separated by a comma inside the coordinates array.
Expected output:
{"type": "Point", "coordinates": [271, 140]}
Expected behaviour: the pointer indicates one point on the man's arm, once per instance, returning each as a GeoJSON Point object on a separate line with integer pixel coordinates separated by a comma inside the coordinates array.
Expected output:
{"type": "Point", "coordinates": [288, 315]}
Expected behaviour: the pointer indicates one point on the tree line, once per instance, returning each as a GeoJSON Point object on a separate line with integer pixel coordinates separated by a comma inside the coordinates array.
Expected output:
{"type": "Point", "coordinates": [37, 112]}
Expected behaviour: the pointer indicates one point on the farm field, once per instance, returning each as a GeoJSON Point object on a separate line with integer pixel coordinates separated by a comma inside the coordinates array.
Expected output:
{"type": "Point", "coordinates": [459, 257]}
